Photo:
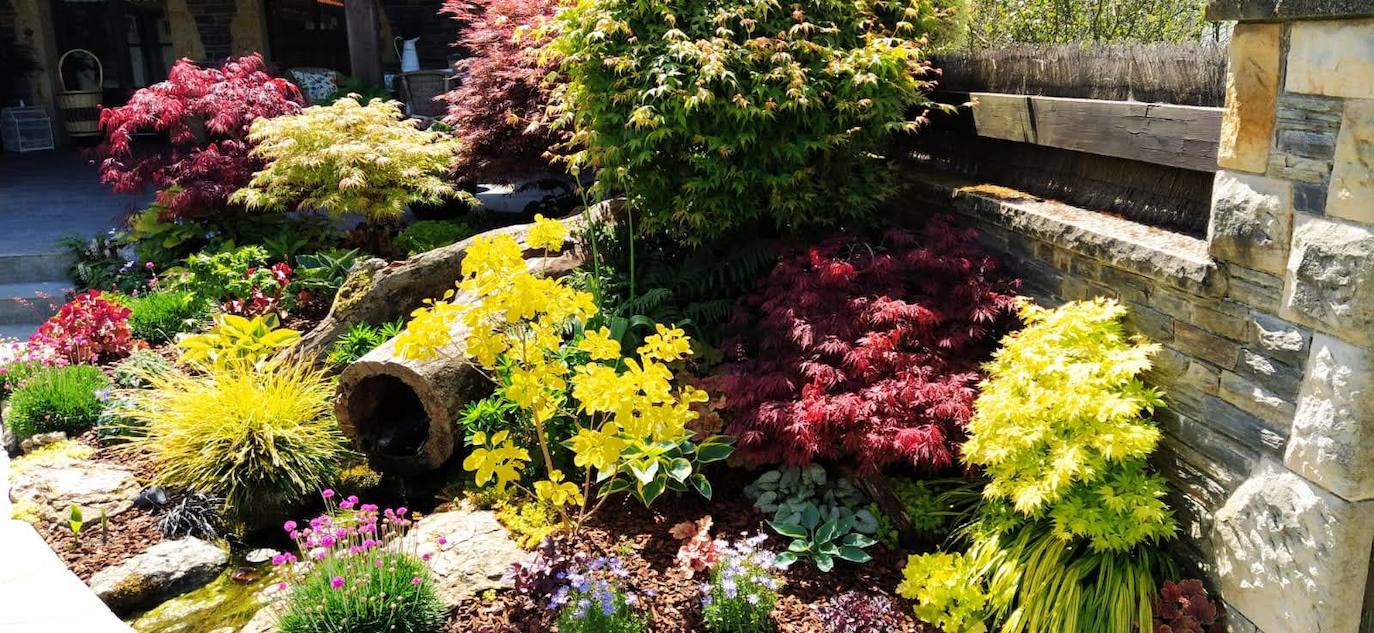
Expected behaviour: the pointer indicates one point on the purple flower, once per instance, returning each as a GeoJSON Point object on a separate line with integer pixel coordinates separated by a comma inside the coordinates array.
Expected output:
{"type": "Point", "coordinates": [337, 582]}
{"type": "Point", "coordinates": [328, 493]}
{"type": "Point", "coordinates": [289, 526]}
{"type": "Point", "coordinates": [416, 581]}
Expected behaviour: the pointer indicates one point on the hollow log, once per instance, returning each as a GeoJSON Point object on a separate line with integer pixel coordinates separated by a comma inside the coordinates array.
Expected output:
{"type": "Point", "coordinates": [402, 413]}
{"type": "Point", "coordinates": [377, 291]}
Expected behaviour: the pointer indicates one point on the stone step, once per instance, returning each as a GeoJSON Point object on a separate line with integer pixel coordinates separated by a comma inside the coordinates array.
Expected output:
{"type": "Point", "coordinates": [17, 269]}
{"type": "Point", "coordinates": [19, 331]}
{"type": "Point", "coordinates": [22, 303]}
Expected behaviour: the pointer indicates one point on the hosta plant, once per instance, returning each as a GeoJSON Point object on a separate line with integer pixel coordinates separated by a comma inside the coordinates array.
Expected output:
{"type": "Point", "coordinates": [235, 340]}
{"type": "Point", "coordinates": [261, 437]}
{"type": "Point", "coordinates": [500, 108]}
{"type": "Point", "coordinates": [349, 157]}
{"type": "Point", "coordinates": [537, 339]}
{"type": "Point", "coordinates": [826, 519]}
{"type": "Point", "coordinates": [712, 115]}
{"type": "Point", "coordinates": [205, 114]}
{"type": "Point", "coordinates": [865, 351]}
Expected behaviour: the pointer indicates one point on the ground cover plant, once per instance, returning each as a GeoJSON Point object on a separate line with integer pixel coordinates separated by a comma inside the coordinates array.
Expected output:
{"type": "Point", "coordinates": [205, 114]}
{"type": "Point", "coordinates": [158, 317]}
{"type": "Point", "coordinates": [714, 116]}
{"type": "Point", "coordinates": [66, 399]}
{"type": "Point", "coordinates": [866, 352]}
{"type": "Point", "coordinates": [428, 235]}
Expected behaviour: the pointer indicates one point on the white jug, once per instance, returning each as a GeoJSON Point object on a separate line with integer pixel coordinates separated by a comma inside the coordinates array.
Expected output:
{"type": "Point", "coordinates": [410, 59]}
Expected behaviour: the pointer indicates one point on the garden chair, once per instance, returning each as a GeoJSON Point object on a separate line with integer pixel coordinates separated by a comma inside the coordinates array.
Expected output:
{"type": "Point", "coordinates": [420, 90]}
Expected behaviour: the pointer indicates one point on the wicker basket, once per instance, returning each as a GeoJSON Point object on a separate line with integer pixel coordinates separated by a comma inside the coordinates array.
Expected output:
{"type": "Point", "coordinates": [80, 108]}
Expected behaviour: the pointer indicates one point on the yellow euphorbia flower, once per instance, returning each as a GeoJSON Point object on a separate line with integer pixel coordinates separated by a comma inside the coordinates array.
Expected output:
{"type": "Point", "coordinates": [547, 234]}
{"type": "Point", "coordinates": [600, 345]}
{"type": "Point", "coordinates": [497, 457]}
{"type": "Point", "coordinates": [557, 492]}
{"type": "Point", "coordinates": [668, 345]}
{"type": "Point", "coordinates": [596, 449]}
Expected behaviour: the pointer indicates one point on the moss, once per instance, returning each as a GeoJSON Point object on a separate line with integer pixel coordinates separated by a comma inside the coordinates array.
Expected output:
{"type": "Point", "coordinates": [354, 288]}
{"type": "Point", "coordinates": [26, 511]}
{"type": "Point", "coordinates": [50, 454]}
{"type": "Point", "coordinates": [221, 604]}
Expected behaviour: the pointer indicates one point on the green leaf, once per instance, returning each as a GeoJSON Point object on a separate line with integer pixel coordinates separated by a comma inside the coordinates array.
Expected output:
{"type": "Point", "coordinates": [785, 559]}
{"type": "Point", "coordinates": [827, 532]}
{"type": "Point", "coordinates": [855, 539]}
{"type": "Point", "coordinates": [824, 562]}
{"type": "Point", "coordinates": [679, 469]}
{"type": "Point", "coordinates": [854, 555]}
{"type": "Point", "coordinates": [653, 489]}
{"type": "Point", "coordinates": [702, 485]}
{"type": "Point", "coordinates": [710, 451]}
{"type": "Point", "coordinates": [644, 473]}
{"type": "Point", "coordinates": [810, 516]}
{"type": "Point", "coordinates": [790, 530]}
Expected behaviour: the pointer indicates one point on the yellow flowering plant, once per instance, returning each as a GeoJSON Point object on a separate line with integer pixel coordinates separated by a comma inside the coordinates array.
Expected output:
{"type": "Point", "coordinates": [540, 340]}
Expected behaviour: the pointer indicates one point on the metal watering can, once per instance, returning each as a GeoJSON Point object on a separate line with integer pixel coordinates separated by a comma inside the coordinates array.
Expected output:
{"type": "Point", "coordinates": [410, 58]}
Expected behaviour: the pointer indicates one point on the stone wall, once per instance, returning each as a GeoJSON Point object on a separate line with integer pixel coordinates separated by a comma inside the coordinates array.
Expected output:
{"type": "Point", "coordinates": [222, 28]}
{"type": "Point", "coordinates": [1267, 325]}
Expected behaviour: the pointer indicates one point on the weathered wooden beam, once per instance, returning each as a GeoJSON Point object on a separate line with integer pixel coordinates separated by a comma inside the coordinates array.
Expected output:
{"type": "Point", "coordinates": [1173, 135]}
{"type": "Point", "coordinates": [364, 40]}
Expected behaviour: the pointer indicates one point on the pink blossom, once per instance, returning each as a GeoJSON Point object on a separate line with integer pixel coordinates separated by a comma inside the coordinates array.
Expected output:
{"type": "Point", "coordinates": [336, 582]}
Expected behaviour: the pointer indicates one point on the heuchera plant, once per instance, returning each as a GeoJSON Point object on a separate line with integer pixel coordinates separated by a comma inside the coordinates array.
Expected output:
{"type": "Point", "coordinates": [1183, 607]}
{"type": "Point", "coordinates": [499, 110]}
{"type": "Point", "coordinates": [205, 114]}
{"type": "Point", "coordinates": [864, 351]}
{"type": "Point", "coordinates": [698, 551]}
{"type": "Point", "coordinates": [88, 329]}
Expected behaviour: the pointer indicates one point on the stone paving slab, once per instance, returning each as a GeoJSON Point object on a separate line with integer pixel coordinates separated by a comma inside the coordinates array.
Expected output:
{"type": "Point", "coordinates": [39, 594]}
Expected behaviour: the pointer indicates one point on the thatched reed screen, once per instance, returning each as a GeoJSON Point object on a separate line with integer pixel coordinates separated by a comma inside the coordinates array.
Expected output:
{"type": "Point", "coordinates": [1183, 74]}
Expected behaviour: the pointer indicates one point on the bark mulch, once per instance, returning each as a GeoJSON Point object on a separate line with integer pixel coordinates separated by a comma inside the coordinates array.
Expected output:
{"type": "Point", "coordinates": [639, 536]}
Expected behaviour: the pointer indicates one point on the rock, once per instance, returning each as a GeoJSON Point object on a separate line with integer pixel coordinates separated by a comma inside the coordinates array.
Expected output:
{"type": "Point", "coordinates": [1352, 179]}
{"type": "Point", "coordinates": [166, 570]}
{"type": "Point", "coordinates": [9, 442]}
{"type": "Point", "coordinates": [39, 440]}
{"type": "Point", "coordinates": [1291, 556]}
{"type": "Point", "coordinates": [1252, 219]}
{"type": "Point", "coordinates": [1331, 278]}
{"type": "Point", "coordinates": [1332, 440]}
{"type": "Point", "coordinates": [260, 555]}
{"type": "Point", "coordinates": [94, 486]}
{"type": "Point", "coordinates": [1252, 92]}
{"type": "Point", "coordinates": [1280, 339]}
{"type": "Point", "coordinates": [477, 553]}
{"type": "Point", "coordinates": [1331, 57]}
{"type": "Point", "coordinates": [265, 620]}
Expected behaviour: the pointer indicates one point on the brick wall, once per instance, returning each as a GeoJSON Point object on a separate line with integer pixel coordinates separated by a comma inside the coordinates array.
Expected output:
{"type": "Point", "coordinates": [1267, 325]}
{"type": "Point", "coordinates": [213, 20]}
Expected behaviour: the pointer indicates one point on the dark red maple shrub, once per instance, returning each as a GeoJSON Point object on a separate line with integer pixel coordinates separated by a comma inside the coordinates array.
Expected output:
{"type": "Point", "coordinates": [499, 109]}
{"type": "Point", "coordinates": [1183, 607]}
{"type": "Point", "coordinates": [205, 114]}
{"type": "Point", "coordinates": [866, 352]}
{"type": "Point", "coordinates": [88, 329]}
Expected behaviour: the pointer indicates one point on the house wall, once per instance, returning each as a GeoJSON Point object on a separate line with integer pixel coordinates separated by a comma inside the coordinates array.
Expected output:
{"type": "Point", "coordinates": [1267, 325]}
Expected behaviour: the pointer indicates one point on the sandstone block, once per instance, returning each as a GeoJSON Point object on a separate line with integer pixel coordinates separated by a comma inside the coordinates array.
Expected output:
{"type": "Point", "coordinates": [1252, 89]}
{"type": "Point", "coordinates": [1291, 556]}
{"type": "Point", "coordinates": [1205, 345]}
{"type": "Point", "coordinates": [167, 569]}
{"type": "Point", "coordinates": [1255, 399]}
{"type": "Point", "coordinates": [1279, 339]}
{"type": "Point", "coordinates": [1331, 278]}
{"type": "Point", "coordinates": [1331, 57]}
{"type": "Point", "coordinates": [1351, 194]}
{"type": "Point", "coordinates": [1252, 220]}
{"type": "Point", "coordinates": [1332, 439]}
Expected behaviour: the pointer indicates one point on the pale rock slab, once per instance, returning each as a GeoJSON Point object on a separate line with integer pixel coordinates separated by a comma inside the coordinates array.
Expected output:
{"type": "Point", "coordinates": [54, 488]}
{"type": "Point", "coordinates": [1291, 556]}
{"type": "Point", "coordinates": [1332, 441]}
{"type": "Point", "coordinates": [1252, 221]}
{"type": "Point", "coordinates": [1331, 278]}
{"type": "Point", "coordinates": [1331, 57]}
{"type": "Point", "coordinates": [1351, 194]}
{"type": "Point", "coordinates": [1252, 92]}
{"type": "Point", "coordinates": [166, 570]}
{"type": "Point", "coordinates": [477, 553]}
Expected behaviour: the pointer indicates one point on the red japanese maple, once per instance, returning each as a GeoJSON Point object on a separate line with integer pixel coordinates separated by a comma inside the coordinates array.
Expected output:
{"type": "Point", "coordinates": [89, 328]}
{"type": "Point", "coordinates": [205, 114]}
{"type": "Point", "coordinates": [863, 351]}
{"type": "Point", "coordinates": [499, 109]}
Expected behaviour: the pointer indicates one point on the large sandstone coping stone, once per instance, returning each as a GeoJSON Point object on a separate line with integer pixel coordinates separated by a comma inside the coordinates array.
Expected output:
{"type": "Point", "coordinates": [1252, 221]}
{"type": "Point", "coordinates": [1291, 556]}
{"type": "Point", "coordinates": [1330, 282]}
{"type": "Point", "coordinates": [1334, 58]}
{"type": "Point", "coordinates": [1252, 93]}
{"type": "Point", "coordinates": [1332, 441]}
{"type": "Point", "coordinates": [1223, 10]}
{"type": "Point", "coordinates": [93, 486]}
{"type": "Point", "coordinates": [1351, 194]}
{"type": "Point", "coordinates": [166, 570]}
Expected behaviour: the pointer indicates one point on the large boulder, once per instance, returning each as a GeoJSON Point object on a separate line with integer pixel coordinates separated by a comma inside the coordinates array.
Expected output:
{"type": "Point", "coordinates": [54, 487]}
{"type": "Point", "coordinates": [473, 556]}
{"type": "Point", "coordinates": [166, 570]}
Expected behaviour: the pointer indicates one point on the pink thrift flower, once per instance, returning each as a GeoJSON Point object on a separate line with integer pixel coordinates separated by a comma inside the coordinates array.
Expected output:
{"type": "Point", "coordinates": [337, 582]}
{"type": "Point", "coordinates": [289, 526]}
{"type": "Point", "coordinates": [415, 581]}
{"type": "Point", "coordinates": [328, 493]}
{"type": "Point", "coordinates": [443, 541]}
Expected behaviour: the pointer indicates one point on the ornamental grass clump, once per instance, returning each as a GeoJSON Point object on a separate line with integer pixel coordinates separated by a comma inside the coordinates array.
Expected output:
{"type": "Point", "coordinates": [1067, 539]}
{"type": "Point", "coordinates": [66, 399]}
{"type": "Point", "coordinates": [743, 588]}
{"type": "Point", "coordinates": [262, 437]}
{"type": "Point", "coordinates": [713, 115]}
{"type": "Point", "coordinates": [539, 340]}
{"type": "Point", "coordinates": [349, 157]}
{"type": "Point", "coordinates": [592, 599]}
{"type": "Point", "coordinates": [356, 571]}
